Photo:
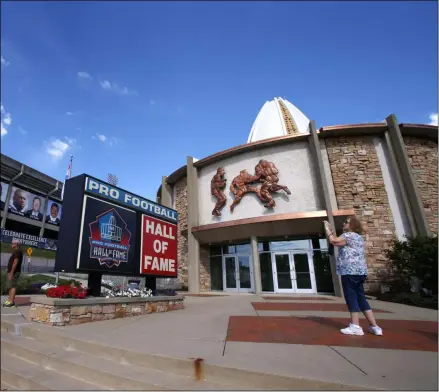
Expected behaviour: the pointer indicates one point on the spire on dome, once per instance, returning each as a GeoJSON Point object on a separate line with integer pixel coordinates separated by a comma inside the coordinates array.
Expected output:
{"type": "Point", "coordinates": [278, 117]}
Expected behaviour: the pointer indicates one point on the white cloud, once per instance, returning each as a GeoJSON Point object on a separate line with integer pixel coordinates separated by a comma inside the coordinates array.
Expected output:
{"type": "Point", "coordinates": [151, 102]}
{"type": "Point", "coordinates": [4, 62]}
{"type": "Point", "coordinates": [56, 148]}
{"type": "Point", "coordinates": [84, 75]}
{"type": "Point", "coordinates": [22, 131]}
{"type": "Point", "coordinates": [106, 85]}
{"type": "Point", "coordinates": [4, 131]}
{"type": "Point", "coordinates": [110, 140]}
{"type": "Point", "coordinates": [69, 114]}
{"type": "Point", "coordinates": [6, 120]}
{"type": "Point", "coordinates": [109, 86]}
{"type": "Point", "coordinates": [433, 119]}
{"type": "Point", "coordinates": [99, 137]}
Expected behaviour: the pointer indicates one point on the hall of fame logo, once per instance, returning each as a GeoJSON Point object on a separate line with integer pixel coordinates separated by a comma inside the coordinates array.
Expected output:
{"type": "Point", "coordinates": [109, 239]}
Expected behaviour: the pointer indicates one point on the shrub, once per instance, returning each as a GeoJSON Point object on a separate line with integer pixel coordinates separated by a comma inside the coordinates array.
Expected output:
{"type": "Point", "coordinates": [417, 256]}
{"type": "Point", "coordinates": [31, 284]}
{"type": "Point", "coordinates": [165, 293]}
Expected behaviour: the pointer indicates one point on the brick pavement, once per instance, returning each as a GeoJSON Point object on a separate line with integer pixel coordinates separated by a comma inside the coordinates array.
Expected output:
{"type": "Point", "coordinates": [292, 306]}
{"type": "Point", "coordinates": [291, 298]}
{"type": "Point", "coordinates": [324, 331]}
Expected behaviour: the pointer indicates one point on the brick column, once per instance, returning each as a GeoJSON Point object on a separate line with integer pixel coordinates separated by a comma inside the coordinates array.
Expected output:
{"type": "Point", "coordinates": [166, 193]}
{"type": "Point", "coordinates": [256, 265]}
{"type": "Point", "coordinates": [192, 221]}
{"type": "Point", "coordinates": [321, 177]}
{"type": "Point", "coordinates": [403, 164]}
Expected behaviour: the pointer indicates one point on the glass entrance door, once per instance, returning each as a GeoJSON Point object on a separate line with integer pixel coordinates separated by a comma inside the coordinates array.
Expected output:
{"type": "Point", "coordinates": [293, 272]}
{"type": "Point", "coordinates": [282, 273]}
{"type": "Point", "coordinates": [238, 273]}
{"type": "Point", "coordinates": [303, 267]}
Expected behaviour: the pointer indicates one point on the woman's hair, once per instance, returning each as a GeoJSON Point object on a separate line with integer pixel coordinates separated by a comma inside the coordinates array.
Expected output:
{"type": "Point", "coordinates": [355, 225]}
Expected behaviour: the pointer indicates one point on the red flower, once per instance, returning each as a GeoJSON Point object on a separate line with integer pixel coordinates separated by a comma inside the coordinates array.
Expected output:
{"type": "Point", "coordinates": [66, 291]}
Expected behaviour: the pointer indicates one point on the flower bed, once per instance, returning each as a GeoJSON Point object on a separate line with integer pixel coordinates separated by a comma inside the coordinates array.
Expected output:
{"type": "Point", "coordinates": [66, 292]}
{"type": "Point", "coordinates": [72, 311]}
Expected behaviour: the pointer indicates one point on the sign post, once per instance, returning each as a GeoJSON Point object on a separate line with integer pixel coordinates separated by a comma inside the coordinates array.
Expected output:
{"type": "Point", "coordinates": [29, 254]}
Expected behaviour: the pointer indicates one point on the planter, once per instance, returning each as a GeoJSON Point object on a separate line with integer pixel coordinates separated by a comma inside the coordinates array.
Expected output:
{"type": "Point", "coordinates": [61, 312]}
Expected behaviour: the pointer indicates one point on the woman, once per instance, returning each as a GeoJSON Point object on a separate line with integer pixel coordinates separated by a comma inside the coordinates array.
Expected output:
{"type": "Point", "coordinates": [351, 265]}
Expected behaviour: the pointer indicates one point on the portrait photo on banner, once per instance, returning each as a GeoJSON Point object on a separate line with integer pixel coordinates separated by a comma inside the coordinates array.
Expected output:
{"type": "Point", "coordinates": [3, 191]}
{"type": "Point", "coordinates": [53, 212]}
{"type": "Point", "coordinates": [26, 204]}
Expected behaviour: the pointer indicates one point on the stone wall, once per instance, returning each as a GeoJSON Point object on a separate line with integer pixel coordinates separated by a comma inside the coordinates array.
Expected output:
{"type": "Point", "coordinates": [359, 184]}
{"type": "Point", "coordinates": [422, 155]}
{"type": "Point", "coordinates": [204, 268]}
{"type": "Point", "coordinates": [180, 189]}
{"type": "Point", "coordinates": [56, 313]}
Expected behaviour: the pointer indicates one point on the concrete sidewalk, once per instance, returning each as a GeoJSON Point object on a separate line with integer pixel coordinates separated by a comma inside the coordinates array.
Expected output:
{"type": "Point", "coordinates": [200, 331]}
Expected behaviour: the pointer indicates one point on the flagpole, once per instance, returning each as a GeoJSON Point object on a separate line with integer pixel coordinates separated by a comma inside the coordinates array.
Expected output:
{"type": "Point", "coordinates": [62, 197]}
{"type": "Point", "coordinates": [71, 165]}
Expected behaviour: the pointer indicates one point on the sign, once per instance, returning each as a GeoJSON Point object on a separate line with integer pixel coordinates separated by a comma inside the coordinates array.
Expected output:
{"type": "Point", "coordinates": [158, 249]}
{"type": "Point", "coordinates": [28, 239]}
{"type": "Point", "coordinates": [29, 252]}
{"type": "Point", "coordinates": [113, 193]}
{"type": "Point", "coordinates": [108, 237]}
{"type": "Point", "coordinates": [53, 212]}
{"type": "Point", "coordinates": [26, 204]}
{"type": "Point", "coordinates": [3, 192]}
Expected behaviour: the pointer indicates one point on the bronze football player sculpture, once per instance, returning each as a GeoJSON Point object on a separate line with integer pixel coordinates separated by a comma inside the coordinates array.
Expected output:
{"type": "Point", "coordinates": [239, 187]}
{"type": "Point", "coordinates": [217, 184]}
{"type": "Point", "coordinates": [266, 173]}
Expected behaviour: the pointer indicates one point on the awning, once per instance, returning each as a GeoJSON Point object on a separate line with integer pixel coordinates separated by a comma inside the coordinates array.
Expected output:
{"type": "Point", "coordinates": [294, 224]}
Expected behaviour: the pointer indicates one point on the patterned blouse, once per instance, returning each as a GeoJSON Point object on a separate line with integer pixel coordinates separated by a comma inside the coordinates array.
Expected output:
{"type": "Point", "coordinates": [351, 257]}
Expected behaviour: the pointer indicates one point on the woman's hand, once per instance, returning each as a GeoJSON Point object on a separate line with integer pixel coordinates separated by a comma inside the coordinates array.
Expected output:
{"type": "Point", "coordinates": [328, 228]}
{"type": "Point", "coordinates": [332, 238]}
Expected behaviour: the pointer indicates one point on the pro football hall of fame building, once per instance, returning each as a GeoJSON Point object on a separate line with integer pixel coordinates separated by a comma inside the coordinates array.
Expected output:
{"type": "Point", "coordinates": [250, 217]}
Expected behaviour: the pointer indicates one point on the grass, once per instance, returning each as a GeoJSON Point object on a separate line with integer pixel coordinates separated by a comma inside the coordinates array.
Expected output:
{"type": "Point", "coordinates": [36, 252]}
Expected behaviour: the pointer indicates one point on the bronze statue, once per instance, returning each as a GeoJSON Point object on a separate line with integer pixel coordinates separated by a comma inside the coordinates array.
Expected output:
{"type": "Point", "coordinates": [217, 184]}
{"type": "Point", "coordinates": [239, 186]}
{"type": "Point", "coordinates": [266, 173]}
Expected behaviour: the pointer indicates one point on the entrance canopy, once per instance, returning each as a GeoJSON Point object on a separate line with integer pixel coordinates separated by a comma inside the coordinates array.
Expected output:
{"type": "Point", "coordinates": [294, 224]}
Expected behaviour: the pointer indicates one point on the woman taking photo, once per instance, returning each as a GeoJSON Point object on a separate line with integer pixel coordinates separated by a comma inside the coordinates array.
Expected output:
{"type": "Point", "coordinates": [351, 265]}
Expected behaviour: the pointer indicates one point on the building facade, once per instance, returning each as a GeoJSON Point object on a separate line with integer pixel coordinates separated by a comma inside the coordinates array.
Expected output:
{"type": "Point", "coordinates": [250, 217]}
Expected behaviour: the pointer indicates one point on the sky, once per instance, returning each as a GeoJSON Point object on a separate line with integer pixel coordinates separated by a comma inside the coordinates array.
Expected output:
{"type": "Point", "coordinates": [133, 88]}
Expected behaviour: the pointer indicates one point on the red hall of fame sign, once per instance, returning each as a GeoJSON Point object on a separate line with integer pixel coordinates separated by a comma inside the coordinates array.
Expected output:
{"type": "Point", "coordinates": [158, 249]}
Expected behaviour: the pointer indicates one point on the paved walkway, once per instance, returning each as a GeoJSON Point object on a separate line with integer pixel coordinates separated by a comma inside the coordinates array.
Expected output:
{"type": "Point", "coordinates": [298, 341]}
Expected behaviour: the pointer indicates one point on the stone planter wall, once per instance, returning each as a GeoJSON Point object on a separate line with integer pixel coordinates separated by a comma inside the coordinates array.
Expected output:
{"type": "Point", "coordinates": [61, 312]}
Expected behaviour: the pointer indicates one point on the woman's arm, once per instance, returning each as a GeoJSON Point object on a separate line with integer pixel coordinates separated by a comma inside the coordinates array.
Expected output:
{"type": "Point", "coordinates": [333, 239]}
{"type": "Point", "coordinates": [337, 241]}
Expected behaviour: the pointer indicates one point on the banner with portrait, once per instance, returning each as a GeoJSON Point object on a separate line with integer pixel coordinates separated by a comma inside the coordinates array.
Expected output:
{"type": "Point", "coordinates": [53, 212]}
{"type": "Point", "coordinates": [27, 239]}
{"type": "Point", "coordinates": [4, 192]}
{"type": "Point", "coordinates": [27, 204]}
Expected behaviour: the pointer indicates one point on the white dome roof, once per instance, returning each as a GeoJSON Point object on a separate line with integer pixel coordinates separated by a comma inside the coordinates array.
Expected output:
{"type": "Point", "coordinates": [278, 117]}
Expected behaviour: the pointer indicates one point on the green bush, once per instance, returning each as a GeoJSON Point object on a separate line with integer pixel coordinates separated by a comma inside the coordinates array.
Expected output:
{"type": "Point", "coordinates": [31, 284]}
{"type": "Point", "coordinates": [417, 256]}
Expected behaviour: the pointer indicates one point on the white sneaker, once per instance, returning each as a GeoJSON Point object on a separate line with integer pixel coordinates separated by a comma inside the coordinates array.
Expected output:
{"type": "Point", "coordinates": [376, 331]}
{"type": "Point", "coordinates": [352, 330]}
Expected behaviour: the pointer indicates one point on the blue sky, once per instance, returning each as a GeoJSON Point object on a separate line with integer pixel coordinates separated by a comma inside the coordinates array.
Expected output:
{"type": "Point", "coordinates": [133, 88]}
